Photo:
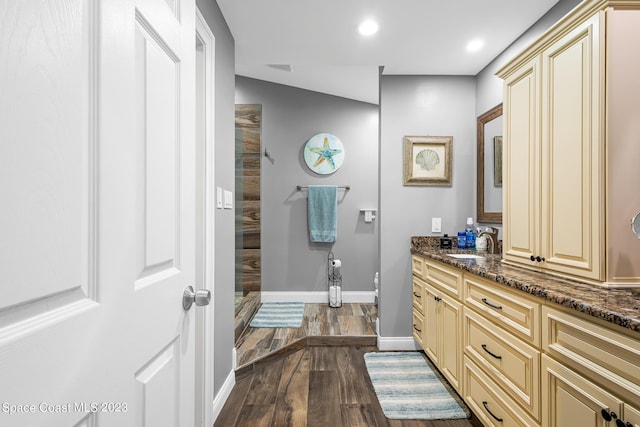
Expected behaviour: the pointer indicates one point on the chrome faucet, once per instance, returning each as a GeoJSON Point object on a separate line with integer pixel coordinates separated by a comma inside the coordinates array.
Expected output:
{"type": "Point", "coordinates": [492, 234]}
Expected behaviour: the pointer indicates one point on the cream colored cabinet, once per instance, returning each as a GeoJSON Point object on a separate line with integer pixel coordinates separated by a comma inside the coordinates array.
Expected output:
{"type": "Point", "coordinates": [521, 192]}
{"type": "Point", "coordinates": [418, 310]}
{"type": "Point", "coordinates": [554, 157]}
{"type": "Point", "coordinates": [501, 336]}
{"type": "Point", "coordinates": [417, 265]}
{"type": "Point", "coordinates": [572, 400]}
{"type": "Point", "coordinates": [491, 404]}
{"type": "Point", "coordinates": [631, 415]}
{"type": "Point", "coordinates": [562, 193]}
{"type": "Point", "coordinates": [590, 372]}
{"type": "Point", "coordinates": [512, 364]}
{"type": "Point", "coordinates": [518, 361]}
{"type": "Point", "coordinates": [437, 316]}
{"type": "Point", "coordinates": [442, 325]}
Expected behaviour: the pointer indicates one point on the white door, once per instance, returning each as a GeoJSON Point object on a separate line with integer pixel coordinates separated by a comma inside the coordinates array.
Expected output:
{"type": "Point", "coordinates": [97, 216]}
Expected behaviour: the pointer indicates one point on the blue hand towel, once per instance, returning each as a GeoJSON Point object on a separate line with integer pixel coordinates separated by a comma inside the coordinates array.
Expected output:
{"type": "Point", "coordinates": [323, 213]}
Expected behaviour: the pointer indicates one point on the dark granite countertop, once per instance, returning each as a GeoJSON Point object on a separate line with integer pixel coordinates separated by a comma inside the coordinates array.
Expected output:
{"type": "Point", "coordinates": [618, 306]}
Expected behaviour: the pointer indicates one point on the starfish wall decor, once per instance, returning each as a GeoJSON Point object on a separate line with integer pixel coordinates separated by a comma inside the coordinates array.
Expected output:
{"type": "Point", "coordinates": [324, 153]}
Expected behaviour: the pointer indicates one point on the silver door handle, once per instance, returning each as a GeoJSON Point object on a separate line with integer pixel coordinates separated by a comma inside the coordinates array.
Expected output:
{"type": "Point", "coordinates": [200, 297]}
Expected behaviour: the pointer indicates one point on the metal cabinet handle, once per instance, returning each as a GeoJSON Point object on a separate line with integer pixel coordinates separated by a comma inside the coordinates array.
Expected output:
{"type": "Point", "coordinates": [486, 407]}
{"type": "Point", "coordinates": [437, 298]}
{"type": "Point", "coordinates": [200, 297]}
{"type": "Point", "coordinates": [416, 328]}
{"type": "Point", "coordinates": [484, 347]}
{"type": "Point", "coordinates": [497, 307]}
{"type": "Point", "coordinates": [417, 295]}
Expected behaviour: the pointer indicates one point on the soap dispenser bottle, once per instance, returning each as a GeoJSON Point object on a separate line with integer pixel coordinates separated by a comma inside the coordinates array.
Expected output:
{"type": "Point", "coordinates": [470, 235]}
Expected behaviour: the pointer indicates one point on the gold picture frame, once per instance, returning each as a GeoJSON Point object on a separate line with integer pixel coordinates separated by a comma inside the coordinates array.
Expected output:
{"type": "Point", "coordinates": [497, 161]}
{"type": "Point", "coordinates": [428, 160]}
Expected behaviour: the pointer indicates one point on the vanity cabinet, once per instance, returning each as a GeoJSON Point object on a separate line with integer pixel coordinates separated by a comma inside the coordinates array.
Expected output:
{"type": "Point", "coordinates": [501, 337]}
{"type": "Point", "coordinates": [418, 310]}
{"type": "Point", "coordinates": [590, 373]}
{"type": "Point", "coordinates": [437, 316]}
{"type": "Point", "coordinates": [565, 109]}
{"type": "Point", "coordinates": [443, 317]}
{"type": "Point", "coordinates": [520, 360]}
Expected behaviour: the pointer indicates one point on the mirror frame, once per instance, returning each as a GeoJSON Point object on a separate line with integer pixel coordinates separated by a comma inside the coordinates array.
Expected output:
{"type": "Point", "coordinates": [482, 216]}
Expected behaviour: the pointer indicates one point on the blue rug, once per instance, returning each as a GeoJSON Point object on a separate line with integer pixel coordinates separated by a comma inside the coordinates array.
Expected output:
{"type": "Point", "coordinates": [408, 388]}
{"type": "Point", "coordinates": [279, 315]}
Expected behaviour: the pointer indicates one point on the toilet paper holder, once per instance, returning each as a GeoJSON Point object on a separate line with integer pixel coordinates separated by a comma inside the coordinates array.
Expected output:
{"type": "Point", "coordinates": [334, 279]}
{"type": "Point", "coordinates": [369, 215]}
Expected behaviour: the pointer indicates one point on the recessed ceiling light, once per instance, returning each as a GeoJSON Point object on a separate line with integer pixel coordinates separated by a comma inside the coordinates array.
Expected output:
{"type": "Point", "coordinates": [475, 45]}
{"type": "Point", "coordinates": [368, 28]}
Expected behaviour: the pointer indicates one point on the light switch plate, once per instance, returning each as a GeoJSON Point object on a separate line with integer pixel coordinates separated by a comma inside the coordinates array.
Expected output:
{"type": "Point", "coordinates": [218, 198]}
{"type": "Point", "coordinates": [436, 225]}
{"type": "Point", "coordinates": [228, 199]}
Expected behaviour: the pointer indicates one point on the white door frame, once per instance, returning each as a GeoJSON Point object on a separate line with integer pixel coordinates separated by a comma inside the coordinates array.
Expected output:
{"type": "Point", "coordinates": [205, 61]}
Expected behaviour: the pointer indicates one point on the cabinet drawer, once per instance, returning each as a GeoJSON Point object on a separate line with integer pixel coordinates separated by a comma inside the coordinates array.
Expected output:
{"type": "Point", "coordinates": [418, 295]}
{"type": "Point", "coordinates": [444, 278]}
{"type": "Point", "coordinates": [609, 357]}
{"type": "Point", "coordinates": [417, 265]}
{"type": "Point", "coordinates": [418, 326]}
{"type": "Point", "coordinates": [491, 404]}
{"type": "Point", "coordinates": [511, 363]}
{"type": "Point", "coordinates": [508, 308]}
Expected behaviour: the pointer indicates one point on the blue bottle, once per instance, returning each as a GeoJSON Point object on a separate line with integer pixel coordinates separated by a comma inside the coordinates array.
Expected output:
{"type": "Point", "coordinates": [470, 235]}
{"type": "Point", "coordinates": [462, 239]}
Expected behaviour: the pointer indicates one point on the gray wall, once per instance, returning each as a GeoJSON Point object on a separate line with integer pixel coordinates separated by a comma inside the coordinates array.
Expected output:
{"type": "Point", "coordinates": [420, 105]}
{"type": "Point", "coordinates": [291, 116]}
{"type": "Point", "coordinates": [223, 292]}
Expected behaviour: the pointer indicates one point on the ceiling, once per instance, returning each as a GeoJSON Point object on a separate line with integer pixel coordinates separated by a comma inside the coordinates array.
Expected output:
{"type": "Point", "coordinates": [315, 45]}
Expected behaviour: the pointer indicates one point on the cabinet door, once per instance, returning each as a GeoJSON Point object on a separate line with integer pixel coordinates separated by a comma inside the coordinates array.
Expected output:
{"type": "Point", "coordinates": [572, 152]}
{"type": "Point", "coordinates": [431, 324]}
{"type": "Point", "coordinates": [631, 415]}
{"type": "Point", "coordinates": [451, 340]}
{"type": "Point", "coordinates": [520, 158]}
{"type": "Point", "coordinates": [571, 400]}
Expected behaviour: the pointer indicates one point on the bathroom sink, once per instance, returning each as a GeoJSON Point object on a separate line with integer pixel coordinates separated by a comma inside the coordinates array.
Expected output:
{"type": "Point", "coordinates": [465, 256]}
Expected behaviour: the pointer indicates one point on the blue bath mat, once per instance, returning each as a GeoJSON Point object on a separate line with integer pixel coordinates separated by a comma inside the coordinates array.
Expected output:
{"type": "Point", "coordinates": [279, 315]}
{"type": "Point", "coordinates": [408, 388]}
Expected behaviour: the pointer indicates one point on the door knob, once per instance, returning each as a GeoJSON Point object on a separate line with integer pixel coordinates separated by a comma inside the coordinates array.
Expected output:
{"type": "Point", "coordinates": [199, 297]}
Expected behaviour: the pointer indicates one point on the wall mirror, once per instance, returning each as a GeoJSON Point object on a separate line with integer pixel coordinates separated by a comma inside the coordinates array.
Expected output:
{"type": "Point", "coordinates": [489, 157]}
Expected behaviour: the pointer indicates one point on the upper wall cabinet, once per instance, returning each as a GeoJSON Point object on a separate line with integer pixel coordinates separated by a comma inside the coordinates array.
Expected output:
{"type": "Point", "coordinates": [570, 111]}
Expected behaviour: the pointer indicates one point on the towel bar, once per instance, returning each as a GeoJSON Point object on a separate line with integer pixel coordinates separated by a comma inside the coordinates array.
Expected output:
{"type": "Point", "coordinates": [302, 187]}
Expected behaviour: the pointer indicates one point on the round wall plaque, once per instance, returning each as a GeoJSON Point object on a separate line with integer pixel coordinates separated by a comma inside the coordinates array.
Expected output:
{"type": "Point", "coordinates": [324, 153]}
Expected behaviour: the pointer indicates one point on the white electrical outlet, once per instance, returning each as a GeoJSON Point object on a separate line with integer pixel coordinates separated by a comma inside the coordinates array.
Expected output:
{"type": "Point", "coordinates": [436, 225]}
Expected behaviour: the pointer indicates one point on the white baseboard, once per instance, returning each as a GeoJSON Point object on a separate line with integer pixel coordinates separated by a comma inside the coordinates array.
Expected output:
{"type": "Point", "coordinates": [397, 344]}
{"type": "Point", "coordinates": [234, 359]}
{"type": "Point", "coordinates": [317, 297]}
{"type": "Point", "coordinates": [223, 394]}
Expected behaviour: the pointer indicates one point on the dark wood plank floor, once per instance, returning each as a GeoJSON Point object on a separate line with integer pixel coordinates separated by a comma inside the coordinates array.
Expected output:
{"type": "Point", "coordinates": [319, 320]}
{"type": "Point", "coordinates": [315, 386]}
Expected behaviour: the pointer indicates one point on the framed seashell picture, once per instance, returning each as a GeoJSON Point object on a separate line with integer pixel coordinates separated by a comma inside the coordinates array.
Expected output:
{"type": "Point", "coordinates": [427, 160]}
